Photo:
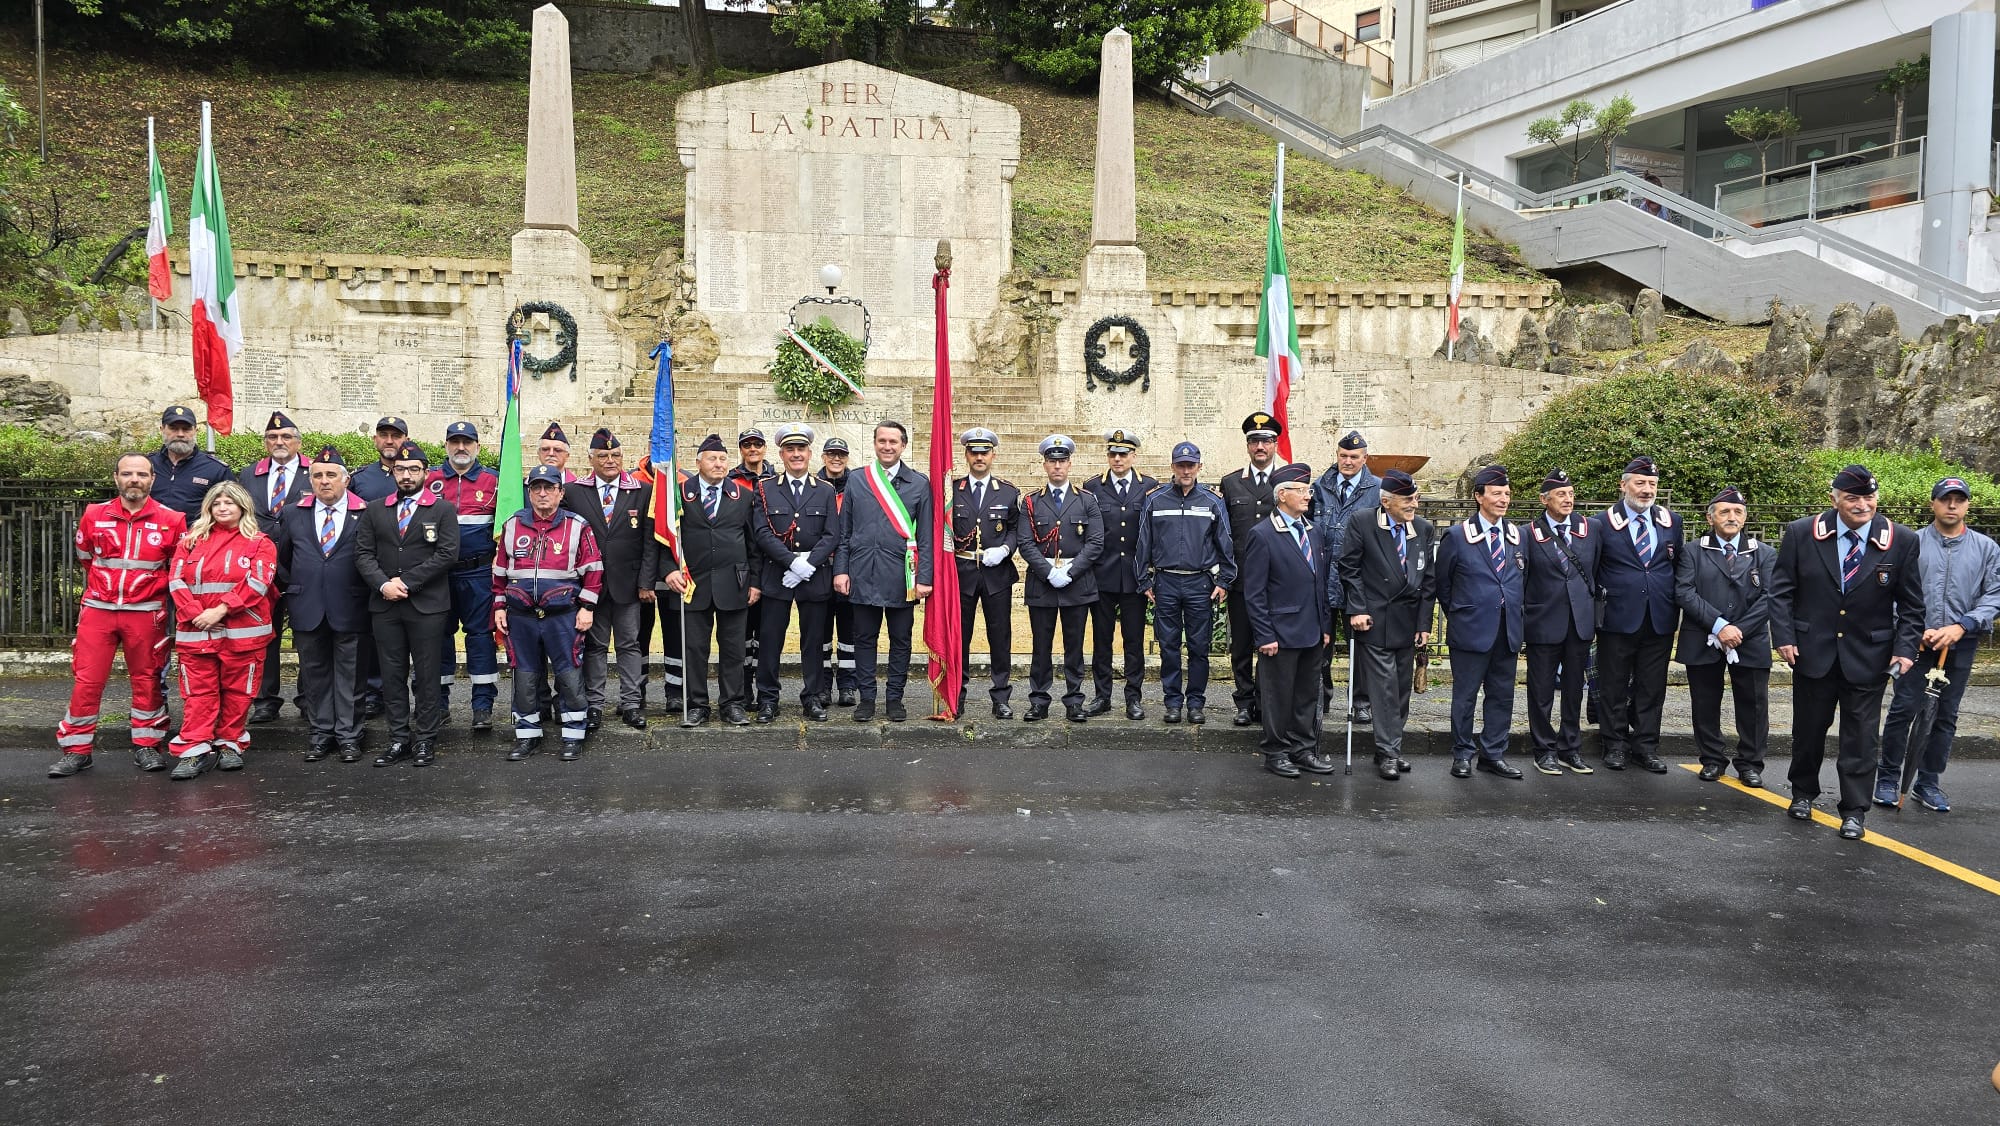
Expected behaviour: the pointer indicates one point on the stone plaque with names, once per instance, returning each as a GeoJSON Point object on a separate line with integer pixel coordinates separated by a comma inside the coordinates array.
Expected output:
{"type": "Point", "coordinates": [357, 382]}
{"type": "Point", "coordinates": [259, 374]}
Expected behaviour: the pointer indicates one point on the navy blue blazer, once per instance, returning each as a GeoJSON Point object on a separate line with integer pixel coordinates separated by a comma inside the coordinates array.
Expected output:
{"type": "Point", "coordinates": [256, 480]}
{"type": "Point", "coordinates": [1559, 597]}
{"type": "Point", "coordinates": [1852, 633]}
{"type": "Point", "coordinates": [321, 590]}
{"type": "Point", "coordinates": [1285, 597]}
{"type": "Point", "coordinates": [1481, 607]}
{"type": "Point", "coordinates": [1635, 596]}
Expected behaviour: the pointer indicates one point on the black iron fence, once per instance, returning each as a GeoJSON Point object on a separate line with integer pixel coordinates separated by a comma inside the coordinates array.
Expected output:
{"type": "Point", "coordinates": [40, 582]}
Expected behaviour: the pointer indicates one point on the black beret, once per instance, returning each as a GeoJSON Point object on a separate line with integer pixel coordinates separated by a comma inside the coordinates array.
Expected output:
{"type": "Point", "coordinates": [1642, 466]}
{"type": "Point", "coordinates": [1297, 473]}
{"type": "Point", "coordinates": [712, 445]}
{"type": "Point", "coordinates": [279, 421]}
{"type": "Point", "coordinates": [1353, 440]}
{"type": "Point", "coordinates": [1491, 475]}
{"type": "Point", "coordinates": [1556, 479]}
{"type": "Point", "coordinates": [1399, 484]}
{"type": "Point", "coordinates": [1855, 479]}
{"type": "Point", "coordinates": [328, 455]}
{"type": "Point", "coordinates": [1729, 495]}
{"type": "Point", "coordinates": [410, 451]}
{"type": "Point", "coordinates": [555, 434]}
{"type": "Point", "coordinates": [604, 439]}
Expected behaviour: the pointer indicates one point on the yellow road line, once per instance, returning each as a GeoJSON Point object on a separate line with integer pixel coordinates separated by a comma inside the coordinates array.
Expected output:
{"type": "Point", "coordinates": [1910, 852]}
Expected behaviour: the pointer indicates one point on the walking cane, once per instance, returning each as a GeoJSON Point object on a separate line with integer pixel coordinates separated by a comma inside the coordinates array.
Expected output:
{"type": "Point", "coordinates": [1350, 701]}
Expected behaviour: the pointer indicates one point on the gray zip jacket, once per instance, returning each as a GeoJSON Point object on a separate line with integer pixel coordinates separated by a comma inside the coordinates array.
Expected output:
{"type": "Point", "coordinates": [1961, 580]}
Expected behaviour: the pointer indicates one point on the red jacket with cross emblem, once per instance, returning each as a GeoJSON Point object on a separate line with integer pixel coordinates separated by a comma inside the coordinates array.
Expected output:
{"type": "Point", "coordinates": [225, 569]}
{"type": "Point", "coordinates": [125, 554]}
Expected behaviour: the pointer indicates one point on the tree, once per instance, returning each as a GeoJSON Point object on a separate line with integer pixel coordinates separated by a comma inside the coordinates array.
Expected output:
{"type": "Point", "coordinates": [426, 36]}
{"type": "Point", "coordinates": [1582, 129]}
{"type": "Point", "coordinates": [701, 40]}
{"type": "Point", "coordinates": [1762, 127]}
{"type": "Point", "coordinates": [1061, 41]}
{"type": "Point", "coordinates": [1897, 82]}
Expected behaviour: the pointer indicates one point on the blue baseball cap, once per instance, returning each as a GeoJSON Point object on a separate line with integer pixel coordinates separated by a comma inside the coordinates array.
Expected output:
{"type": "Point", "coordinates": [1949, 486]}
{"type": "Point", "coordinates": [462, 430]}
{"type": "Point", "coordinates": [545, 475]}
{"type": "Point", "coordinates": [1186, 453]}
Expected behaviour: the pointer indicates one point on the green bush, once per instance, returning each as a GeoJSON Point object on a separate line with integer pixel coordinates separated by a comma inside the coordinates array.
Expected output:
{"type": "Point", "coordinates": [25, 453]}
{"type": "Point", "coordinates": [423, 36]}
{"type": "Point", "coordinates": [1905, 476]}
{"type": "Point", "coordinates": [1061, 42]}
{"type": "Point", "coordinates": [1704, 432]}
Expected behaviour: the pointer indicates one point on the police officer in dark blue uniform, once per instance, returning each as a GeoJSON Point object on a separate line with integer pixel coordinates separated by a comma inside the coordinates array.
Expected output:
{"type": "Point", "coordinates": [984, 510]}
{"type": "Point", "coordinates": [378, 480]}
{"type": "Point", "coordinates": [183, 474]}
{"type": "Point", "coordinates": [1638, 544]}
{"type": "Point", "coordinates": [840, 643]}
{"type": "Point", "coordinates": [474, 491]}
{"type": "Point", "coordinates": [1479, 584]}
{"type": "Point", "coordinates": [795, 527]}
{"type": "Point", "coordinates": [1186, 561]}
{"type": "Point", "coordinates": [1120, 609]}
{"type": "Point", "coordinates": [1060, 537]}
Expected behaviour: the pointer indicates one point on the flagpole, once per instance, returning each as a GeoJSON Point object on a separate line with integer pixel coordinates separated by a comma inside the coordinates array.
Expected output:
{"type": "Point", "coordinates": [151, 157]}
{"type": "Point", "coordinates": [1451, 339]}
{"type": "Point", "coordinates": [1278, 189]}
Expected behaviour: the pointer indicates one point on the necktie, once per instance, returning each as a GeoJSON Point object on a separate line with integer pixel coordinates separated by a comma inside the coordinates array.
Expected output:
{"type": "Point", "coordinates": [279, 480]}
{"type": "Point", "coordinates": [607, 492]}
{"type": "Point", "coordinates": [1058, 495]}
{"type": "Point", "coordinates": [1729, 551]}
{"type": "Point", "coordinates": [1305, 545]}
{"type": "Point", "coordinates": [1493, 549]}
{"type": "Point", "coordinates": [1402, 544]}
{"type": "Point", "coordinates": [709, 503]}
{"type": "Point", "coordinates": [325, 530]}
{"type": "Point", "coordinates": [978, 499]}
{"type": "Point", "coordinates": [798, 494]}
{"type": "Point", "coordinates": [1645, 540]}
{"type": "Point", "coordinates": [1346, 491]}
{"type": "Point", "coordinates": [1850, 565]}
{"type": "Point", "coordinates": [403, 511]}
{"type": "Point", "coordinates": [1260, 479]}
{"type": "Point", "coordinates": [1562, 557]}
{"type": "Point", "coordinates": [1121, 493]}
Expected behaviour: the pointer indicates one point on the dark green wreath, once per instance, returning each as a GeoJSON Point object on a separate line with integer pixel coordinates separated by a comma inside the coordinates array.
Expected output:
{"type": "Point", "coordinates": [797, 379]}
{"type": "Point", "coordinates": [565, 357]}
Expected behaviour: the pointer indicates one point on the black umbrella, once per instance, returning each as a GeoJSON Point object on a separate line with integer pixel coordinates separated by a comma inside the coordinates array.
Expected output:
{"type": "Point", "coordinates": [1935, 682]}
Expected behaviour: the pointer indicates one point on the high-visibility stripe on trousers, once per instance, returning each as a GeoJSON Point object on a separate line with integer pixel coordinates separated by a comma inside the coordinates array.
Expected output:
{"type": "Point", "coordinates": [100, 634]}
{"type": "Point", "coordinates": [217, 689]}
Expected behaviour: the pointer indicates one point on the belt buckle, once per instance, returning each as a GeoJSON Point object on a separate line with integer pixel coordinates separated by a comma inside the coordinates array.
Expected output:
{"type": "Point", "coordinates": [541, 613]}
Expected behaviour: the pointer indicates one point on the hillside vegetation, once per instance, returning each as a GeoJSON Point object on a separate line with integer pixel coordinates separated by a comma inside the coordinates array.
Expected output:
{"type": "Point", "coordinates": [373, 163]}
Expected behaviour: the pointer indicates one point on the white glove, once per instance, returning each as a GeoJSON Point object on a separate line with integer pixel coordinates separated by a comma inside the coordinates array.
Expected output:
{"type": "Point", "coordinates": [790, 580]}
{"type": "Point", "coordinates": [994, 556]}
{"type": "Point", "coordinates": [1729, 655]}
{"type": "Point", "coordinates": [801, 568]}
{"type": "Point", "coordinates": [1059, 576]}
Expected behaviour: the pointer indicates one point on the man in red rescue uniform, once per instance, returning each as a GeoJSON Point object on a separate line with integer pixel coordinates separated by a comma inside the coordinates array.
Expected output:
{"type": "Point", "coordinates": [124, 546]}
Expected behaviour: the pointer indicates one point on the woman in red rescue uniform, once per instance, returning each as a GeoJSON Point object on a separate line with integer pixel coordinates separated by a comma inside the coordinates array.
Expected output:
{"type": "Point", "coordinates": [221, 588]}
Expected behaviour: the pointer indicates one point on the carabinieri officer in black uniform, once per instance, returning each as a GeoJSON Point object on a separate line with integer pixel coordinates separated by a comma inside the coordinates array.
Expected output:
{"type": "Point", "coordinates": [1247, 491]}
{"type": "Point", "coordinates": [1060, 537]}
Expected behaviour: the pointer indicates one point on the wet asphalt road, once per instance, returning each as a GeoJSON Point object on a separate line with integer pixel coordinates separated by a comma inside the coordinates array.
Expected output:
{"type": "Point", "coordinates": [976, 935]}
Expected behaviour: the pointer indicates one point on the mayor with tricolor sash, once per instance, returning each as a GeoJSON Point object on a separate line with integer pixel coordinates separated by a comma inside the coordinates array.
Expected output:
{"type": "Point", "coordinates": [884, 563]}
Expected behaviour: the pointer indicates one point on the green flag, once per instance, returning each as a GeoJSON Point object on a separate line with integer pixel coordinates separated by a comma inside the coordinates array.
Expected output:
{"type": "Point", "coordinates": [508, 497]}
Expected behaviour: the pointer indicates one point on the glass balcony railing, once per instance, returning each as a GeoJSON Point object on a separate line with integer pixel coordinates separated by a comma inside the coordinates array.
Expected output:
{"type": "Point", "coordinates": [1822, 189]}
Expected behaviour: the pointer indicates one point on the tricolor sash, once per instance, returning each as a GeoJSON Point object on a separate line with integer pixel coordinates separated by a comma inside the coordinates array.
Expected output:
{"type": "Point", "coordinates": [899, 520]}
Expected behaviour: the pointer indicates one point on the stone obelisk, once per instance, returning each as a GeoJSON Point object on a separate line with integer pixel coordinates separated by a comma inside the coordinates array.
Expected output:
{"type": "Point", "coordinates": [547, 243]}
{"type": "Point", "coordinates": [1115, 261]}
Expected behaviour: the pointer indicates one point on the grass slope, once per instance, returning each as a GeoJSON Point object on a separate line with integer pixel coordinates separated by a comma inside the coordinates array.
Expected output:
{"type": "Point", "coordinates": [369, 163]}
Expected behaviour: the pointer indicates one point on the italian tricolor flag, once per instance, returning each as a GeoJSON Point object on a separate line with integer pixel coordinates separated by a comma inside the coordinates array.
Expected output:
{"type": "Point", "coordinates": [218, 323]}
{"type": "Point", "coordinates": [1457, 267]}
{"type": "Point", "coordinates": [1277, 327]}
{"type": "Point", "coordinates": [159, 282]}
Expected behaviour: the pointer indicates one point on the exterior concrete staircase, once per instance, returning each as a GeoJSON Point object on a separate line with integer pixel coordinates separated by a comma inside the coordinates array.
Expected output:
{"type": "Point", "coordinates": [1713, 264]}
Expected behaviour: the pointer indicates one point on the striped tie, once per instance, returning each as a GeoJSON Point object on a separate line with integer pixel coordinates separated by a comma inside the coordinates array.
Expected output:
{"type": "Point", "coordinates": [1402, 545]}
{"type": "Point", "coordinates": [608, 496]}
{"type": "Point", "coordinates": [1493, 549]}
{"type": "Point", "coordinates": [278, 487]}
{"type": "Point", "coordinates": [1562, 556]}
{"type": "Point", "coordinates": [1305, 545]}
{"type": "Point", "coordinates": [1645, 541]}
{"type": "Point", "coordinates": [1850, 564]}
{"type": "Point", "coordinates": [325, 531]}
{"type": "Point", "coordinates": [710, 505]}
{"type": "Point", "coordinates": [403, 511]}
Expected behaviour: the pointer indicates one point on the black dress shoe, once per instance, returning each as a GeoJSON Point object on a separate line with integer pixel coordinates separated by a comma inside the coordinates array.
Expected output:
{"type": "Point", "coordinates": [1003, 711]}
{"type": "Point", "coordinates": [1075, 713]}
{"type": "Point", "coordinates": [634, 718]}
{"type": "Point", "coordinates": [735, 716]}
{"type": "Point", "coordinates": [1710, 771]}
{"type": "Point", "coordinates": [482, 719]}
{"type": "Point", "coordinates": [1036, 712]}
{"type": "Point", "coordinates": [895, 711]}
{"type": "Point", "coordinates": [523, 748]}
{"type": "Point", "coordinates": [350, 751]}
{"type": "Point", "coordinates": [1653, 763]}
{"type": "Point", "coordinates": [1100, 705]}
{"type": "Point", "coordinates": [264, 711]}
{"type": "Point", "coordinates": [1851, 829]}
{"type": "Point", "coordinates": [1461, 768]}
{"type": "Point", "coordinates": [1614, 760]}
{"type": "Point", "coordinates": [1574, 763]}
{"type": "Point", "coordinates": [426, 753]}
{"type": "Point", "coordinates": [1751, 777]}
{"type": "Point", "coordinates": [1194, 716]}
{"type": "Point", "coordinates": [1388, 770]}
{"type": "Point", "coordinates": [593, 719]}
{"type": "Point", "coordinates": [864, 712]}
{"type": "Point", "coordinates": [318, 749]}
{"type": "Point", "coordinates": [1134, 711]}
{"type": "Point", "coordinates": [1315, 763]}
{"type": "Point", "coordinates": [847, 699]}
{"type": "Point", "coordinates": [766, 713]}
{"type": "Point", "coordinates": [1364, 716]}
{"type": "Point", "coordinates": [371, 708]}
{"type": "Point", "coordinates": [397, 752]}
{"type": "Point", "coordinates": [1801, 809]}
{"type": "Point", "coordinates": [695, 717]}
{"type": "Point", "coordinates": [1281, 766]}
{"type": "Point", "coordinates": [1244, 718]}
{"type": "Point", "coordinates": [1501, 767]}
{"type": "Point", "coordinates": [572, 750]}
{"type": "Point", "coordinates": [814, 708]}
{"type": "Point", "coordinates": [1173, 715]}
{"type": "Point", "coordinates": [1402, 765]}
